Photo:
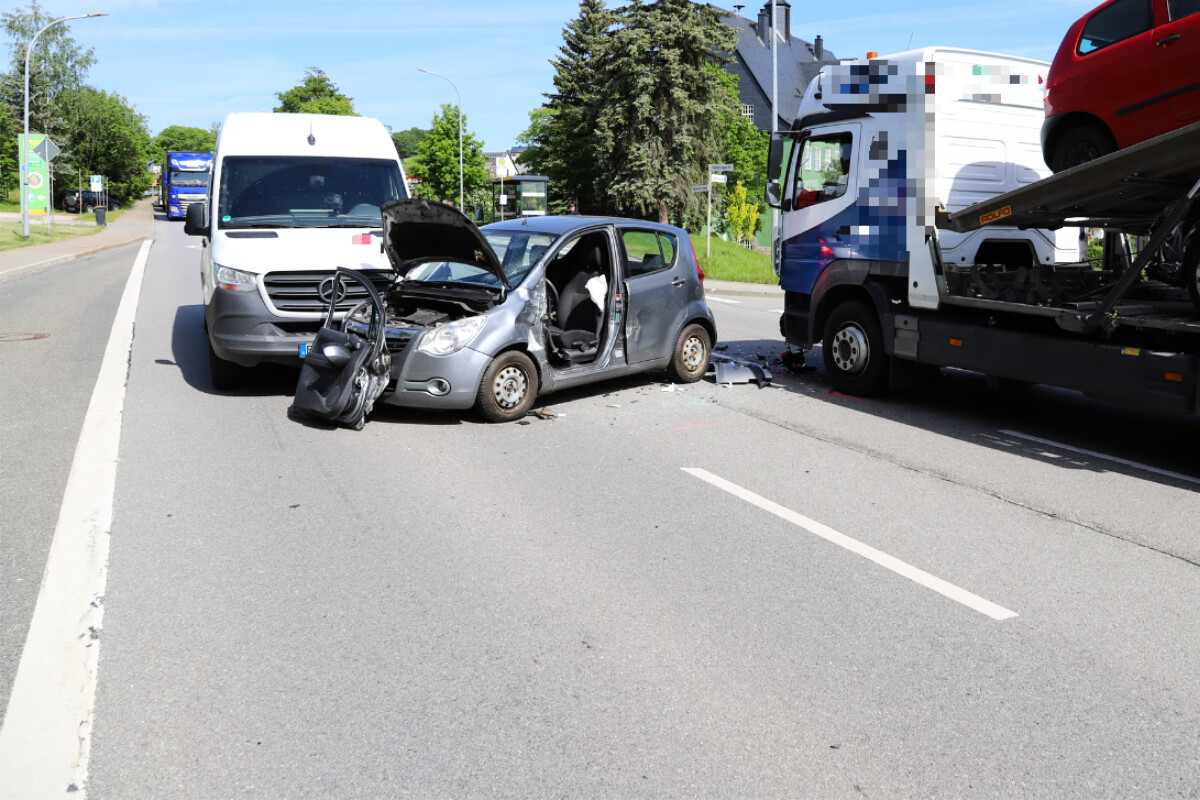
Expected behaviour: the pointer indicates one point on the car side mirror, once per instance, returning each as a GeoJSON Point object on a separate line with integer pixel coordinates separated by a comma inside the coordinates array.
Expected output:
{"type": "Point", "coordinates": [193, 223]}
{"type": "Point", "coordinates": [773, 195]}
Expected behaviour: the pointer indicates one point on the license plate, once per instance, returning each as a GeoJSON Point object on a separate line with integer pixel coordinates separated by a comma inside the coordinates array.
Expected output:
{"type": "Point", "coordinates": [303, 349]}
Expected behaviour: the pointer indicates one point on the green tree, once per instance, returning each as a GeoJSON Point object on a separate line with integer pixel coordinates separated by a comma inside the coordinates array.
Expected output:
{"type": "Point", "coordinates": [10, 168]}
{"type": "Point", "coordinates": [57, 66]}
{"type": "Point", "coordinates": [408, 142]}
{"type": "Point", "coordinates": [744, 146]}
{"type": "Point", "coordinates": [106, 136]}
{"type": "Point", "coordinates": [561, 134]}
{"type": "Point", "coordinates": [660, 124]}
{"type": "Point", "coordinates": [315, 95]}
{"type": "Point", "coordinates": [436, 164]}
{"type": "Point", "coordinates": [741, 216]}
{"type": "Point", "coordinates": [180, 138]}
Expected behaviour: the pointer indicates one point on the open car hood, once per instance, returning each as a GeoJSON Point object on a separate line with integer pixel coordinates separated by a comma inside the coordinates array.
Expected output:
{"type": "Point", "coordinates": [418, 231]}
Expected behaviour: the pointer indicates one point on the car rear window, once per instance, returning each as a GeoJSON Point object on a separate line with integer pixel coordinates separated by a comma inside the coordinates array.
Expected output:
{"type": "Point", "coordinates": [1115, 23]}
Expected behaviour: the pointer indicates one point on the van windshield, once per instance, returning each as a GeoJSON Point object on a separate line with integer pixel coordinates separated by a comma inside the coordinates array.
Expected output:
{"type": "Point", "coordinates": [306, 192]}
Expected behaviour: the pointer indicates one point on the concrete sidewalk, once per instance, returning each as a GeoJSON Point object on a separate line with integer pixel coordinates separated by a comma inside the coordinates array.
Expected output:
{"type": "Point", "coordinates": [134, 225]}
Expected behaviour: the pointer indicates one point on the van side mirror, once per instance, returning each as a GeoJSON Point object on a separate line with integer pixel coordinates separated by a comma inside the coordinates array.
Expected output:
{"type": "Point", "coordinates": [193, 222]}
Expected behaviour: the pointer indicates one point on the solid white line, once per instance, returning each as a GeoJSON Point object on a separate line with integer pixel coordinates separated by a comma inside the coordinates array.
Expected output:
{"type": "Point", "coordinates": [723, 300]}
{"type": "Point", "coordinates": [938, 585]}
{"type": "Point", "coordinates": [46, 737]}
{"type": "Point", "coordinates": [1144, 467]}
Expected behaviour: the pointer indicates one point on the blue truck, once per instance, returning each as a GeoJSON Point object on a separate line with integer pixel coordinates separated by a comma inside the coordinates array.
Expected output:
{"type": "Point", "coordinates": [184, 181]}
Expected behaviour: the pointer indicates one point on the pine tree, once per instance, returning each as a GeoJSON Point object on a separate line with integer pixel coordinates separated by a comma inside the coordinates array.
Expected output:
{"type": "Point", "coordinates": [562, 139]}
{"type": "Point", "coordinates": [661, 125]}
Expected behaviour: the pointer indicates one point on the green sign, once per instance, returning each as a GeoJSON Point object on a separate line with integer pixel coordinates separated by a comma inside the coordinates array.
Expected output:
{"type": "Point", "coordinates": [36, 171]}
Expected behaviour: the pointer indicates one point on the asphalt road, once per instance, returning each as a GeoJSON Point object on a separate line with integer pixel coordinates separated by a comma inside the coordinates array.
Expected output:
{"type": "Point", "coordinates": [698, 591]}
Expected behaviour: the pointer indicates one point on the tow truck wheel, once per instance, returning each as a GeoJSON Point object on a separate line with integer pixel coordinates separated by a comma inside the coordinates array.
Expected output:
{"type": "Point", "coordinates": [1080, 145]}
{"type": "Point", "coordinates": [508, 388]}
{"type": "Point", "coordinates": [225, 374]}
{"type": "Point", "coordinates": [1191, 268]}
{"type": "Point", "coordinates": [853, 350]}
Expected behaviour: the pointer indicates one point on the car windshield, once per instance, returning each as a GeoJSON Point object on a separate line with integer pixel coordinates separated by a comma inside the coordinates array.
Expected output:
{"type": "Point", "coordinates": [306, 192]}
{"type": "Point", "coordinates": [517, 252]}
{"type": "Point", "coordinates": [189, 178]}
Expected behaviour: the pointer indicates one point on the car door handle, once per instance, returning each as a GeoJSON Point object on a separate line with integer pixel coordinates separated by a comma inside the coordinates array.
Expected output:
{"type": "Point", "coordinates": [678, 282]}
{"type": "Point", "coordinates": [1167, 40]}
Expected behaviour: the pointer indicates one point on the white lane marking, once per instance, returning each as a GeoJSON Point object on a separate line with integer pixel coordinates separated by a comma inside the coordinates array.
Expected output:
{"type": "Point", "coordinates": [1144, 467]}
{"type": "Point", "coordinates": [881, 558]}
{"type": "Point", "coordinates": [46, 737]}
{"type": "Point", "coordinates": [723, 300]}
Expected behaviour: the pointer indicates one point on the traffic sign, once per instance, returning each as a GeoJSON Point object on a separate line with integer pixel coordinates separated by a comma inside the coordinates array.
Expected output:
{"type": "Point", "coordinates": [97, 183]}
{"type": "Point", "coordinates": [703, 188]}
{"type": "Point", "coordinates": [46, 149]}
{"type": "Point", "coordinates": [718, 179]}
{"type": "Point", "coordinates": [720, 167]}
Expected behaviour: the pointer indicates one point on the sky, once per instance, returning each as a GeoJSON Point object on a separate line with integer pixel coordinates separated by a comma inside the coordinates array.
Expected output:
{"type": "Point", "coordinates": [191, 62]}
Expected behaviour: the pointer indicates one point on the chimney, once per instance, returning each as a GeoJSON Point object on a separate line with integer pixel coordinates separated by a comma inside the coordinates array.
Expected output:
{"type": "Point", "coordinates": [819, 49]}
{"type": "Point", "coordinates": [764, 24]}
{"type": "Point", "coordinates": [786, 8]}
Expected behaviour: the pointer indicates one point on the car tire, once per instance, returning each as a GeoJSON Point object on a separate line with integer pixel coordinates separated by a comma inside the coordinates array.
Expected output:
{"type": "Point", "coordinates": [508, 388]}
{"type": "Point", "coordinates": [1079, 145]}
{"type": "Point", "coordinates": [114, 206]}
{"type": "Point", "coordinates": [90, 209]}
{"type": "Point", "coordinates": [689, 359]}
{"type": "Point", "coordinates": [852, 347]}
{"type": "Point", "coordinates": [225, 375]}
{"type": "Point", "coordinates": [1191, 267]}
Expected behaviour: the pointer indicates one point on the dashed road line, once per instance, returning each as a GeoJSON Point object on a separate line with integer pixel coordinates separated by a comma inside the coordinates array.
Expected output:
{"type": "Point", "coordinates": [956, 593]}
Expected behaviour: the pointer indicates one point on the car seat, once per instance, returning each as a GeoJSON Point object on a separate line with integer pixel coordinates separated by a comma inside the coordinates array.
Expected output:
{"type": "Point", "coordinates": [580, 319]}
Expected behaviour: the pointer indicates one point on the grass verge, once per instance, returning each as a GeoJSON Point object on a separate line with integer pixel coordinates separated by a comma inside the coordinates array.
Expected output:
{"type": "Point", "coordinates": [10, 232]}
{"type": "Point", "coordinates": [732, 262]}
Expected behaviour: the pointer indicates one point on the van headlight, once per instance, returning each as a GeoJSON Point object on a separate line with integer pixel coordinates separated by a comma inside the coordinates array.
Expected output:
{"type": "Point", "coordinates": [451, 337]}
{"type": "Point", "coordinates": [235, 280]}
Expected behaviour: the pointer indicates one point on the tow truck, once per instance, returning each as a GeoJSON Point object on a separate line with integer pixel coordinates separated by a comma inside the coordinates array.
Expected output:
{"type": "Point", "coordinates": [953, 248]}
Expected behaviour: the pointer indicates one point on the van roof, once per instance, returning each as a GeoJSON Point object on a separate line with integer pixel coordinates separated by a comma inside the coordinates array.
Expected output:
{"type": "Point", "coordinates": [264, 133]}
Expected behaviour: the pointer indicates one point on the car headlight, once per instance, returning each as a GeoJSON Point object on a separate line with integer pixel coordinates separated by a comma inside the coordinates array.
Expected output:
{"type": "Point", "coordinates": [451, 337]}
{"type": "Point", "coordinates": [235, 280]}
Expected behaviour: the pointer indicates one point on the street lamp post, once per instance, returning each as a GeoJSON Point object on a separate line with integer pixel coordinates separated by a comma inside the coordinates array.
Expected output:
{"type": "Point", "coordinates": [460, 156]}
{"type": "Point", "coordinates": [25, 142]}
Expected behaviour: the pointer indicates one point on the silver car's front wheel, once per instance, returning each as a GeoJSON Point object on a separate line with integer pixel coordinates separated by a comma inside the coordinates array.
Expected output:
{"type": "Point", "coordinates": [508, 388]}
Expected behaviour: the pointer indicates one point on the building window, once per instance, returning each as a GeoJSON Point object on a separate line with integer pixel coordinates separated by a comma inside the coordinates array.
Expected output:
{"type": "Point", "coordinates": [748, 110]}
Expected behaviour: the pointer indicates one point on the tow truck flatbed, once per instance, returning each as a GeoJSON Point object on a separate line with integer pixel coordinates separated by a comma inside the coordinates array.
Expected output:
{"type": "Point", "coordinates": [1126, 191]}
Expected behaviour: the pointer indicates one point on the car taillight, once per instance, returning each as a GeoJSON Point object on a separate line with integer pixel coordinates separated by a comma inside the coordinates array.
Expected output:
{"type": "Point", "coordinates": [696, 261]}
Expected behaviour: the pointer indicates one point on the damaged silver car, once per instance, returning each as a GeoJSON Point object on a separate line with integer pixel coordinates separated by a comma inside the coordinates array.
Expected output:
{"type": "Point", "coordinates": [493, 317]}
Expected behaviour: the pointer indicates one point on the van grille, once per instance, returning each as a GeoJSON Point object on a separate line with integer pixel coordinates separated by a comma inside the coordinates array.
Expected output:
{"type": "Point", "coordinates": [300, 292]}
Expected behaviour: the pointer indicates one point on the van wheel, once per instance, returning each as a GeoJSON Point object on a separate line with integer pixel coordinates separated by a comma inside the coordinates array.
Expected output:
{"type": "Point", "coordinates": [689, 360]}
{"type": "Point", "coordinates": [508, 388]}
{"type": "Point", "coordinates": [1080, 145]}
{"type": "Point", "coordinates": [853, 350]}
{"type": "Point", "coordinates": [225, 374]}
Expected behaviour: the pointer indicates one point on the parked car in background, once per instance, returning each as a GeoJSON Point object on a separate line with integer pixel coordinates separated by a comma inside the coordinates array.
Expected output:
{"type": "Point", "coordinates": [1127, 71]}
{"type": "Point", "coordinates": [71, 202]}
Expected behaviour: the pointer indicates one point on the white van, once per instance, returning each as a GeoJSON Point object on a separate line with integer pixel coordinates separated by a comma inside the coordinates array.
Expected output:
{"type": "Point", "coordinates": [293, 197]}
